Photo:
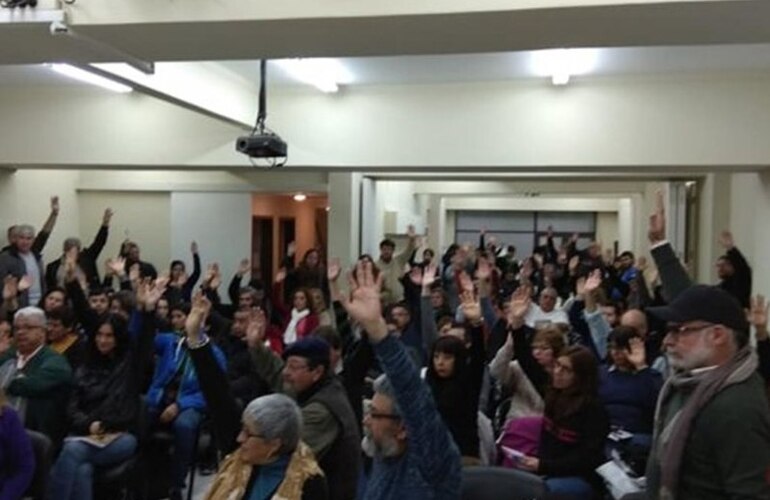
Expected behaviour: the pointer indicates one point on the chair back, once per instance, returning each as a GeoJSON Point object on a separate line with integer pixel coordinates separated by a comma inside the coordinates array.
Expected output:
{"type": "Point", "coordinates": [42, 447]}
{"type": "Point", "coordinates": [494, 483]}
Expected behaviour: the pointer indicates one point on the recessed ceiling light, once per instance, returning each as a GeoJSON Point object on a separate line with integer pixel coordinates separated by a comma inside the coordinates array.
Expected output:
{"type": "Point", "coordinates": [300, 197]}
{"type": "Point", "coordinates": [561, 64]}
{"type": "Point", "coordinates": [323, 73]}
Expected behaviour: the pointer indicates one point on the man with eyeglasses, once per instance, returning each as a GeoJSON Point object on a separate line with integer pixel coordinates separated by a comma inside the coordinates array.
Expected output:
{"type": "Point", "coordinates": [35, 377]}
{"type": "Point", "coordinates": [712, 425]}
{"type": "Point", "coordinates": [414, 455]}
{"type": "Point", "coordinates": [329, 423]}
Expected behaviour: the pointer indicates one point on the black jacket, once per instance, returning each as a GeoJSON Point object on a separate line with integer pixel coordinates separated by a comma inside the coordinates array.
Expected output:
{"type": "Point", "coordinates": [87, 260]}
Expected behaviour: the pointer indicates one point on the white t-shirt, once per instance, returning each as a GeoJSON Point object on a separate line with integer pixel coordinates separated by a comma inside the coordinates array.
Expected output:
{"type": "Point", "coordinates": [35, 290]}
{"type": "Point", "coordinates": [535, 316]}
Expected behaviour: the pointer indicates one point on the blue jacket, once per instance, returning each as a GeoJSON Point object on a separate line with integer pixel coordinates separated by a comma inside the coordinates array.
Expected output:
{"type": "Point", "coordinates": [171, 350]}
{"type": "Point", "coordinates": [429, 469]}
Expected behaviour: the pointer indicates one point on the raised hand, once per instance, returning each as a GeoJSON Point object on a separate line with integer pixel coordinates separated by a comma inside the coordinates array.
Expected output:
{"type": "Point", "coordinates": [199, 310]}
{"type": "Point", "coordinates": [758, 316]}
{"type": "Point", "coordinates": [24, 284]}
{"type": "Point", "coordinates": [255, 332]}
{"type": "Point", "coordinates": [574, 262]}
{"type": "Point", "coordinates": [415, 275]}
{"type": "Point", "coordinates": [243, 267]}
{"type": "Point", "coordinates": [466, 283]}
{"type": "Point", "coordinates": [520, 302]}
{"type": "Point", "coordinates": [107, 216]}
{"type": "Point", "coordinates": [470, 306]}
{"type": "Point", "coordinates": [117, 266]}
{"type": "Point", "coordinates": [637, 355]}
{"type": "Point", "coordinates": [333, 269]}
{"type": "Point", "coordinates": [280, 276]}
{"type": "Point", "coordinates": [55, 205]}
{"type": "Point", "coordinates": [641, 263]}
{"type": "Point", "coordinates": [483, 269]}
{"type": "Point", "coordinates": [193, 247]}
{"type": "Point", "coordinates": [216, 278]}
{"type": "Point", "coordinates": [726, 240]}
{"type": "Point", "coordinates": [134, 273]}
{"type": "Point", "coordinates": [429, 275]}
{"type": "Point", "coordinates": [363, 305]}
{"type": "Point", "coordinates": [291, 249]}
{"type": "Point", "coordinates": [593, 282]}
{"type": "Point", "coordinates": [656, 229]}
{"type": "Point", "coordinates": [10, 288]}
{"type": "Point", "coordinates": [410, 231]}
{"type": "Point", "coordinates": [156, 291]}
{"type": "Point", "coordinates": [142, 290]}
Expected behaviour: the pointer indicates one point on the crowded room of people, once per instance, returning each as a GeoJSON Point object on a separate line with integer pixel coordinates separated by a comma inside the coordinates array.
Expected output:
{"type": "Point", "coordinates": [365, 251]}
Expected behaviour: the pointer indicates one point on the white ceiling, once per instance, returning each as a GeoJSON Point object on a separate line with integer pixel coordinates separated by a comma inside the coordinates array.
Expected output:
{"type": "Point", "coordinates": [632, 61]}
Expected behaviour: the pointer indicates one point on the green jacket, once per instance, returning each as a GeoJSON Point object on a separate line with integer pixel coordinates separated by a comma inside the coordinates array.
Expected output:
{"type": "Point", "coordinates": [727, 455]}
{"type": "Point", "coordinates": [45, 382]}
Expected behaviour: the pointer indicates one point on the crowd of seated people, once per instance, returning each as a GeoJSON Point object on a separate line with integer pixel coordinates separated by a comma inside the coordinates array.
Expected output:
{"type": "Point", "coordinates": [391, 385]}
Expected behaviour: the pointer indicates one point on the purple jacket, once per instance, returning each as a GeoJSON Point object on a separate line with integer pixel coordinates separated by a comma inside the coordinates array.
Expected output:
{"type": "Point", "coordinates": [17, 461]}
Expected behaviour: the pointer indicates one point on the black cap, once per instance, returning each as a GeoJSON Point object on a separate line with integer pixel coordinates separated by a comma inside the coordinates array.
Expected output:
{"type": "Point", "coordinates": [314, 349]}
{"type": "Point", "coordinates": [704, 303]}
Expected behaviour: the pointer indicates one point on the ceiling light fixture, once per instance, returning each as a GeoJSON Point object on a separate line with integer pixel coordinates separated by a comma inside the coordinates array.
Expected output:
{"type": "Point", "coordinates": [323, 73]}
{"type": "Point", "coordinates": [561, 64]}
{"type": "Point", "coordinates": [300, 197]}
{"type": "Point", "coordinates": [85, 76]}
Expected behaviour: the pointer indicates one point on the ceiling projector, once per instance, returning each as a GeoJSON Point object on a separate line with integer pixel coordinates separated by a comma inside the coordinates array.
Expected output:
{"type": "Point", "coordinates": [262, 146]}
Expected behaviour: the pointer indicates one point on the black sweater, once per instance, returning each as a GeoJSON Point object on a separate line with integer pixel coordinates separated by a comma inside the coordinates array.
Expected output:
{"type": "Point", "coordinates": [574, 446]}
{"type": "Point", "coordinates": [457, 397]}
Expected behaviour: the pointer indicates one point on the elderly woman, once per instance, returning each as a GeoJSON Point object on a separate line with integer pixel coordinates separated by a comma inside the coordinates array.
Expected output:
{"type": "Point", "coordinates": [266, 458]}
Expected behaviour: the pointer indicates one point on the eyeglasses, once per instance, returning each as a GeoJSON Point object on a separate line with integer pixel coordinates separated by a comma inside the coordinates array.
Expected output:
{"type": "Point", "coordinates": [379, 415]}
{"type": "Point", "coordinates": [678, 331]}
{"type": "Point", "coordinates": [246, 432]}
{"type": "Point", "coordinates": [19, 328]}
{"type": "Point", "coordinates": [295, 367]}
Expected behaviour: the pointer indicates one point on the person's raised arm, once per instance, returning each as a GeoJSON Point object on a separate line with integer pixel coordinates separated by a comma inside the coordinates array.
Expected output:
{"type": "Point", "coordinates": [673, 275]}
{"type": "Point", "coordinates": [411, 245]}
{"type": "Point", "coordinates": [429, 436]}
{"type": "Point", "coordinates": [41, 238]}
{"type": "Point", "coordinates": [742, 276]}
{"type": "Point", "coordinates": [95, 248]}
{"type": "Point", "coordinates": [10, 299]}
{"type": "Point", "coordinates": [220, 401]}
{"type": "Point", "coordinates": [425, 278]}
{"type": "Point", "coordinates": [484, 273]}
{"type": "Point", "coordinates": [233, 290]}
{"type": "Point", "coordinates": [189, 284]}
{"type": "Point", "coordinates": [758, 318]}
{"type": "Point", "coordinates": [594, 318]}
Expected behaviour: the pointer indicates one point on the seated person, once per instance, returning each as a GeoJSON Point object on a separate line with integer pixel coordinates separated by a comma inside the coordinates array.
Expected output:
{"type": "Point", "coordinates": [628, 388]}
{"type": "Point", "coordinates": [575, 428]}
{"type": "Point", "coordinates": [266, 457]}
{"type": "Point", "coordinates": [64, 339]}
{"type": "Point", "coordinates": [36, 378]}
{"type": "Point", "coordinates": [174, 399]}
{"type": "Point", "coordinates": [17, 460]}
{"type": "Point", "coordinates": [103, 409]}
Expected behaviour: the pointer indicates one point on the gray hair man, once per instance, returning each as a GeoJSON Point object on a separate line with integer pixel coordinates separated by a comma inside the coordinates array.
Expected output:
{"type": "Point", "coordinates": [35, 377]}
{"type": "Point", "coordinates": [712, 424]}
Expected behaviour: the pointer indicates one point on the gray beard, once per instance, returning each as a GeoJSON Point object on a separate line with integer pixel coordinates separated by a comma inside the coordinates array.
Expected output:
{"type": "Point", "coordinates": [387, 449]}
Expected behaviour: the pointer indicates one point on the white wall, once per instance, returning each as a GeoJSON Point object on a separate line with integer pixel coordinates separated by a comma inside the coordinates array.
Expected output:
{"type": "Point", "coordinates": [219, 222]}
{"type": "Point", "coordinates": [142, 217]}
{"type": "Point", "coordinates": [607, 229]}
{"type": "Point", "coordinates": [610, 123]}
